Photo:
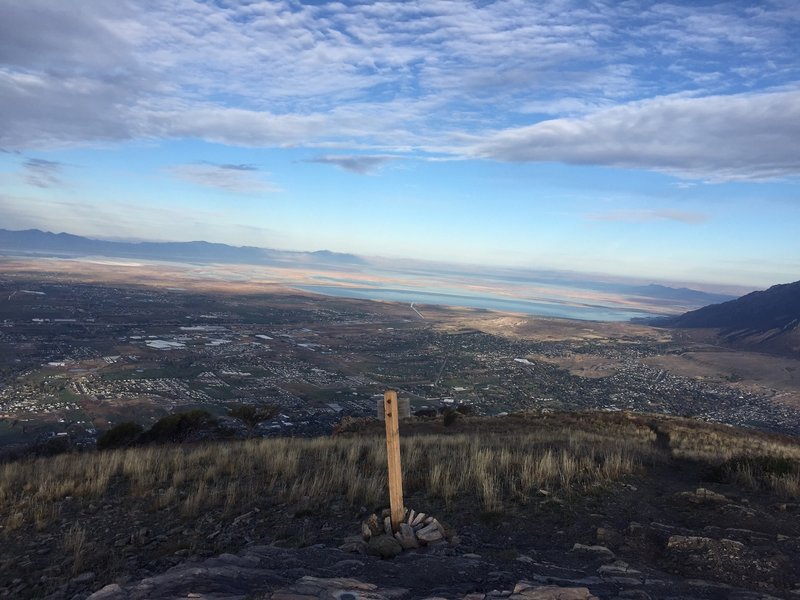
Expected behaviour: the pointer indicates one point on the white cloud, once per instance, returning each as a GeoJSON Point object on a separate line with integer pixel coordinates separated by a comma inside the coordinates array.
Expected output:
{"type": "Point", "coordinates": [647, 216]}
{"type": "Point", "coordinates": [717, 138]}
{"type": "Point", "coordinates": [360, 163]}
{"type": "Point", "coordinates": [42, 173]}
{"type": "Point", "coordinates": [394, 77]}
{"type": "Point", "coordinates": [240, 179]}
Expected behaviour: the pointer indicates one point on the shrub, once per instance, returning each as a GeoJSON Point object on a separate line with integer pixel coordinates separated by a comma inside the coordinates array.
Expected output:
{"type": "Point", "coordinates": [178, 427]}
{"type": "Point", "coordinates": [450, 416]}
{"type": "Point", "coordinates": [53, 447]}
{"type": "Point", "coordinates": [252, 414]}
{"type": "Point", "coordinates": [426, 412]}
{"type": "Point", "coordinates": [120, 436]}
{"type": "Point", "coordinates": [466, 409]}
{"type": "Point", "coordinates": [758, 467]}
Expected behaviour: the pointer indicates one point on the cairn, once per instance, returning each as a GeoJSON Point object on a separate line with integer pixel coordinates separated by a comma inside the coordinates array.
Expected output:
{"type": "Point", "coordinates": [417, 529]}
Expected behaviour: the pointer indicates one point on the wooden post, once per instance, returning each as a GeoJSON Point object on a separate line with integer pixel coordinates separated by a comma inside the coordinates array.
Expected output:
{"type": "Point", "coordinates": [391, 407]}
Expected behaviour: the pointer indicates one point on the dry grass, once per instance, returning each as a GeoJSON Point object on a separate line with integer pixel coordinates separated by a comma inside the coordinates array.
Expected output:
{"type": "Point", "coordinates": [563, 455]}
{"type": "Point", "coordinates": [739, 455]}
{"type": "Point", "coordinates": [74, 545]}
{"type": "Point", "coordinates": [496, 470]}
{"type": "Point", "coordinates": [719, 443]}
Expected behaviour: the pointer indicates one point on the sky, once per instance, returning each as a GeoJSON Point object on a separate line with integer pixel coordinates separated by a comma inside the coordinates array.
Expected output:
{"type": "Point", "coordinates": [659, 140]}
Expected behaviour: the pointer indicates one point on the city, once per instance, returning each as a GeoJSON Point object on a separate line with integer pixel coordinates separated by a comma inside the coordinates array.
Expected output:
{"type": "Point", "coordinates": [79, 358]}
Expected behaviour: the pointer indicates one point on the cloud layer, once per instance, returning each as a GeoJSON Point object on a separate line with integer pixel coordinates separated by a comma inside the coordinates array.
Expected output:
{"type": "Point", "coordinates": [237, 178]}
{"type": "Point", "coordinates": [651, 215]}
{"type": "Point", "coordinates": [360, 163]}
{"type": "Point", "coordinates": [705, 92]}
{"type": "Point", "coordinates": [743, 136]}
{"type": "Point", "coordinates": [42, 173]}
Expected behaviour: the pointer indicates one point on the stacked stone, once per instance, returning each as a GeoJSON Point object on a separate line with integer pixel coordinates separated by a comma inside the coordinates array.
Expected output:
{"type": "Point", "coordinates": [417, 529]}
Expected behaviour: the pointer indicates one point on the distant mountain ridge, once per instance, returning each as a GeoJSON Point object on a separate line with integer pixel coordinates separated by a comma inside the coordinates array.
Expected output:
{"type": "Point", "coordinates": [683, 294]}
{"type": "Point", "coordinates": [766, 320]}
{"type": "Point", "coordinates": [45, 242]}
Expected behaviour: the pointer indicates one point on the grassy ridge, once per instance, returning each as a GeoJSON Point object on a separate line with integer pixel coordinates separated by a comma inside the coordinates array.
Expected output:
{"type": "Point", "coordinates": [494, 462]}
{"type": "Point", "coordinates": [119, 510]}
{"type": "Point", "coordinates": [234, 476]}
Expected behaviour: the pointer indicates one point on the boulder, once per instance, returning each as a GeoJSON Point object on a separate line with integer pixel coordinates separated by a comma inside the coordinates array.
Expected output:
{"type": "Point", "coordinates": [406, 537]}
{"type": "Point", "coordinates": [366, 531]}
{"type": "Point", "coordinates": [385, 546]}
{"type": "Point", "coordinates": [704, 546]}
{"type": "Point", "coordinates": [354, 544]}
{"type": "Point", "coordinates": [430, 533]}
{"type": "Point", "coordinates": [702, 496]}
{"type": "Point", "coordinates": [600, 552]}
{"type": "Point", "coordinates": [374, 525]}
{"type": "Point", "coordinates": [617, 568]}
{"type": "Point", "coordinates": [533, 591]}
{"type": "Point", "coordinates": [112, 591]}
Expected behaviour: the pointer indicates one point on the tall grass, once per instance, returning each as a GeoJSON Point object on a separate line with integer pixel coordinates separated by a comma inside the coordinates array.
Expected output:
{"type": "Point", "coordinates": [494, 469]}
{"type": "Point", "coordinates": [751, 459]}
{"type": "Point", "coordinates": [564, 455]}
{"type": "Point", "coordinates": [74, 545]}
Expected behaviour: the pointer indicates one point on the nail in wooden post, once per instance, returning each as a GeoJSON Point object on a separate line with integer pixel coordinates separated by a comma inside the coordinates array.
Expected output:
{"type": "Point", "coordinates": [391, 410]}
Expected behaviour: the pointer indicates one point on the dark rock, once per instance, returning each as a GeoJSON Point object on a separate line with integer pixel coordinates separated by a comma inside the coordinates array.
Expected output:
{"type": "Point", "coordinates": [384, 546]}
{"type": "Point", "coordinates": [110, 592]}
{"type": "Point", "coordinates": [406, 537]}
{"type": "Point", "coordinates": [354, 544]}
{"type": "Point", "coordinates": [600, 552]}
{"type": "Point", "coordinates": [531, 591]}
{"type": "Point", "coordinates": [83, 578]}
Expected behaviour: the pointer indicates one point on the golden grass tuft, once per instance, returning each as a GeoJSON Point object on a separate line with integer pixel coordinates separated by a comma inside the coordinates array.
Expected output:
{"type": "Point", "coordinates": [74, 544]}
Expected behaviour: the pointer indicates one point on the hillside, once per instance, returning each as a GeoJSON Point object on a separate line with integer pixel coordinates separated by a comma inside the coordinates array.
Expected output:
{"type": "Point", "coordinates": [764, 320]}
{"type": "Point", "coordinates": [775, 309]}
{"type": "Point", "coordinates": [616, 504]}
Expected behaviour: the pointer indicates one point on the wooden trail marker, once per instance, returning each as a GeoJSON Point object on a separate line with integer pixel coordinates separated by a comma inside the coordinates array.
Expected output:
{"type": "Point", "coordinates": [391, 411]}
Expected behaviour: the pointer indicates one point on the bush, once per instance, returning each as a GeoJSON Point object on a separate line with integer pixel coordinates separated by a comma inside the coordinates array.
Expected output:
{"type": "Point", "coordinates": [426, 412]}
{"type": "Point", "coordinates": [450, 416]}
{"type": "Point", "coordinates": [178, 427]}
{"type": "Point", "coordinates": [54, 446]}
{"type": "Point", "coordinates": [466, 409]}
{"type": "Point", "coordinates": [120, 436]}
{"type": "Point", "coordinates": [252, 414]}
{"type": "Point", "coordinates": [758, 467]}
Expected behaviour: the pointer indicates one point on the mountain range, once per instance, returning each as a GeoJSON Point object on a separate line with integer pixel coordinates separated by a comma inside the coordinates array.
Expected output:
{"type": "Point", "coordinates": [43, 243]}
{"type": "Point", "coordinates": [64, 244]}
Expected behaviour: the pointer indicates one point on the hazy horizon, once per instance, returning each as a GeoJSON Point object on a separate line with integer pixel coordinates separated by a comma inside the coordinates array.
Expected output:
{"type": "Point", "coordinates": [426, 268]}
{"type": "Point", "coordinates": [651, 140]}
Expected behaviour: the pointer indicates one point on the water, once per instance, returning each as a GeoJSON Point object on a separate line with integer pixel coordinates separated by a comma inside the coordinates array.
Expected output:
{"type": "Point", "coordinates": [590, 312]}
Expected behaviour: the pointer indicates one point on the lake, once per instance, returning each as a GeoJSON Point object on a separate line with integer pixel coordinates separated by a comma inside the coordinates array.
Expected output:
{"type": "Point", "coordinates": [590, 312]}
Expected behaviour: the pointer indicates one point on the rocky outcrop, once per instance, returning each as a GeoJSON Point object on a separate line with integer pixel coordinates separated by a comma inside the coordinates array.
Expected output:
{"type": "Point", "coordinates": [728, 558]}
{"type": "Point", "coordinates": [325, 573]}
{"type": "Point", "coordinates": [316, 588]}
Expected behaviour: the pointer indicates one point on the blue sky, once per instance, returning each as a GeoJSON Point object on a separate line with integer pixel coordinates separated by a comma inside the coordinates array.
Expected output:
{"type": "Point", "coordinates": [656, 140]}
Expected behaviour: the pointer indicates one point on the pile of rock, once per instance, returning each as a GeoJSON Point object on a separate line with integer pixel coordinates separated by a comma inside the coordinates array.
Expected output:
{"type": "Point", "coordinates": [416, 529]}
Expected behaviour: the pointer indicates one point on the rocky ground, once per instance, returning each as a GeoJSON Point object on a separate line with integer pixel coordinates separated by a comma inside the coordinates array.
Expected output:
{"type": "Point", "coordinates": [671, 533]}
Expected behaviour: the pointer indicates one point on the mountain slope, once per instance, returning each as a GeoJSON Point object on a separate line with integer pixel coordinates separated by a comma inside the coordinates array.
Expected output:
{"type": "Point", "coordinates": [777, 308]}
{"type": "Point", "coordinates": [765, 320]}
